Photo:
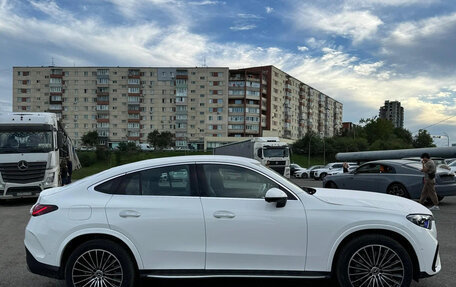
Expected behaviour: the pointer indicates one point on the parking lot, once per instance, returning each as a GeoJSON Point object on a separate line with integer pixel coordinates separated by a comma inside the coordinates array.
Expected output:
{"type": "Point", "coordinates": [13, 272]}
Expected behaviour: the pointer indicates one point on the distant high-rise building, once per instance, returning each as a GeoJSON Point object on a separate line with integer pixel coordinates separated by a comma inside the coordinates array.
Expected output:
{"type": "Point", "coordinates": [393, 111]}
{"type": "Point", "coordinates": [201, 106]}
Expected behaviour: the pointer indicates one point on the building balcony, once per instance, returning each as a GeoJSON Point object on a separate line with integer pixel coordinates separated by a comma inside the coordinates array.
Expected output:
{"type": "Point", "coordinates": [102, 120]}
{"type": "Point", "coordinates": [56, 75]}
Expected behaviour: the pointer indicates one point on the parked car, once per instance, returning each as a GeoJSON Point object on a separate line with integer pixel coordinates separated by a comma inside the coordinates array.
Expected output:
{"type": "Point", "coordinates": [351, 167]}
{"type": "Point", "coordinates": [396, 177]}
{"type": "Point", "coordinates": [294, 167]}
{"type": "Point", "coordinates": [448, 161]}
{"type": "Point", "coordinates": [305, 173]}
{"type": "Point", "coordinates": [130, 221]}
{"type": "Point", "coordinates": [319, 174]}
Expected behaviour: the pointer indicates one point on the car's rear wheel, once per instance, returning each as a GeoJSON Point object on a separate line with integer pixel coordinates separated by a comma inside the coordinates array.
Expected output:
{"type": "Point", "coordinates": [374, 260]}
{"type": "Point", "coordinates": [100, 263]}
{"type": "Point", "coordinates": [398, 190]}
{"type": "Point", "coordinates": [331, 184]}
{"type": "Point", "coordinates": [304, 175]}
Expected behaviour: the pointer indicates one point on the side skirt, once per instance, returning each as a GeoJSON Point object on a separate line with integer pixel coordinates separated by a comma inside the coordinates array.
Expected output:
{"type": "Point", "coordinates": [233, 273]}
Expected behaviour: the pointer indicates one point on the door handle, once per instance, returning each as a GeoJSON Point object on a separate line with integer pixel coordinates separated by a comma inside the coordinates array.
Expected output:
{"type": "Point", "coordinates": [129, 213]}
{"type": "Point", "coordinates": [224, 214]}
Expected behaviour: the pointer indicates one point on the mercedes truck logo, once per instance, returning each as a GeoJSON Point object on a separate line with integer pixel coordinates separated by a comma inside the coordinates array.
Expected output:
{"type": "Point", "coordinates": [22, 165]}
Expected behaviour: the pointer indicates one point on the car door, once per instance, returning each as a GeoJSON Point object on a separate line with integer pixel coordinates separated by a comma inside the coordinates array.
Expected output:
{"type": "Point", "coordinates": [243, 231]}
{"type": "Point", "coordinates": [371, 177]}
{"type": "Point", "coordinates": [160, 211]}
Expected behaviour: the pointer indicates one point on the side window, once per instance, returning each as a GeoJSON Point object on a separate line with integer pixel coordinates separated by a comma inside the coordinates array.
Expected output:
{"type": "Point", "coordinates": [235, 182]}
{"type": "Point", "coordinates": [166, 181]}
{"type": "Point", "coordinates": [369, 168]}
{"type": "Point", "coordinates": [109, 187]}
{"type": "Point", "coordinates": [337, 166]}
{"type": "Point", "coordinates": [130, 184]}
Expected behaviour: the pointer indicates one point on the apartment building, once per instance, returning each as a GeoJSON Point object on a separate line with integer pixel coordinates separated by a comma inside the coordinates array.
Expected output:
{"type": "Point", "coordinates": [393, 111]}
{"type": "Point", "coordinates": [196, 104]}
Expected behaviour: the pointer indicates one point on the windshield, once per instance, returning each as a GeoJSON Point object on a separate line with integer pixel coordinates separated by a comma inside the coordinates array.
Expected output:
{"type": "Point", "coordinates": [24, 141]}
{"type": "Point", "coordinates": [275, 152]}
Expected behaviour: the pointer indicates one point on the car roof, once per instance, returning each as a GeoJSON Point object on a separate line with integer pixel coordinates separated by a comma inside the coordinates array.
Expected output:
{"type": "Point", "coordinates": [392, 161]}
{"type": "Point", "coordinates": [172, 160]}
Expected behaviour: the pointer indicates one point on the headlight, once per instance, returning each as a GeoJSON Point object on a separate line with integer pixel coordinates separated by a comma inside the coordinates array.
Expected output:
{"type": "Point", "coordinates": [50, 179]}
{"type": "Point", "coordinates": [422, 220]}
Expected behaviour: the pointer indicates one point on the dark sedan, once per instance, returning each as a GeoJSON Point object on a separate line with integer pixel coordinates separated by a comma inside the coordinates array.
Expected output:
{"type": "Point", "coordinates": [397, 177]}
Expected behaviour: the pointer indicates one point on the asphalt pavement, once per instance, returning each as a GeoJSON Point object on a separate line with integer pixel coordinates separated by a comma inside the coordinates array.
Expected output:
{"type": "Point", "coordinates": [14, 216]}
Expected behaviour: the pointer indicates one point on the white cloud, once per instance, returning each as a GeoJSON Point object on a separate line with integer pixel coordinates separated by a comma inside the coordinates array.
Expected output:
{"type": "Point", "coordinates": [243, 27]}
{"type": "Point", "coordinates": [354, 24]}
{"type": "Point", "coordinates": [269, 10]}
{"type": "Point", "coordinates": [367, 69]}
{"type": "Point", "coordinates": [248, 16]}
{"type": "Point", "coordinates": [303, 48]}
{"type": "Point", "coordinates": [207, 2]}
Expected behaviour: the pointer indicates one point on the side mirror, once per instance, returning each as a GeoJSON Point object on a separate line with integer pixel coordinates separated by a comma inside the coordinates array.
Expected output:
{"type": "Point", "coordinates": [260, 153]}
{"type": "Point", "coordinates": [276, 195]}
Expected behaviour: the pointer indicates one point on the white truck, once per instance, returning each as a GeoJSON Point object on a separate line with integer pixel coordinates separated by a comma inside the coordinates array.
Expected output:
{"type": "Point", "coordinates": [31, 147]}
{"type": "Point", "coordinates": [270, 151]}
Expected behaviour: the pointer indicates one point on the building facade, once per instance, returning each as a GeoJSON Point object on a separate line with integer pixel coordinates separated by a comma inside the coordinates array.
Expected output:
{"type": "Point", "coordinates": [195, 104]}
{"type": "Point", "coordinates": [393, 112]}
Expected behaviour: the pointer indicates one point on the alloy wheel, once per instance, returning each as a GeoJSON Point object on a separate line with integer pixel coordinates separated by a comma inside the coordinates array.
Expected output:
{"type": "Point", "coordinates": [376, 266]}
{"type": "Point", "coordinates": [97, 267]}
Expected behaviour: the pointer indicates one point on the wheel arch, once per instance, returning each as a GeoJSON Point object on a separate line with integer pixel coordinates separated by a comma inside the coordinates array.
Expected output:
{"type": "Point", "coordinates": [327, 183]}
{"type": "Point", "coordinates": [77, 240]}
{"type": "Point", "coordinates": [396, 236]}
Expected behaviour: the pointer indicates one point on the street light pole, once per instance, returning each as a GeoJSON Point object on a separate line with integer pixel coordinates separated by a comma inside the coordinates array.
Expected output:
{"type": "Point", "coordinates": [308, 157]}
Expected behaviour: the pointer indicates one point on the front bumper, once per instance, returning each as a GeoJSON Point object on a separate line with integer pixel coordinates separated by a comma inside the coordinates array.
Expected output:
{"type": "Point", "coordinates": [39, 268]}
{"type": "Point", "coordinates": [17, 190]}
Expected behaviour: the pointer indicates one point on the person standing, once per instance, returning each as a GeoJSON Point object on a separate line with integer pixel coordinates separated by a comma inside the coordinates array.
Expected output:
{"type": "Point", "coordinates": [345, 167]}
{"type": "Point", "coordinates": [63, 171]}
{"type": "Point", "coordinates": [70, 169]}
{"type": "Point", "coordinates": [429, 181]}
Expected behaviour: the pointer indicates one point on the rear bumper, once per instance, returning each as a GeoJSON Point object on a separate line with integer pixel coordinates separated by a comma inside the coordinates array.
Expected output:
{"type": "Point", "coordinates": [39, 268]}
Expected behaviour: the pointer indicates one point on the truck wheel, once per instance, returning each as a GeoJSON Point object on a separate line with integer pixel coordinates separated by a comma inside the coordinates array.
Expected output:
{"type": "Point", "coordinates": [100, 263]}
{"type": "Point", "coordinates": [374, 260]}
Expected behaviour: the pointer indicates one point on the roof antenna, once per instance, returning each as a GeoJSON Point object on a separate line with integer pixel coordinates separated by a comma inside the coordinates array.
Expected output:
{"type": "Point", "coordinates": [204, 61]}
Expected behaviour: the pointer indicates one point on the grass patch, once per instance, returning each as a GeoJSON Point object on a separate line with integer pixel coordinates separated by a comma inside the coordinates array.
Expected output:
{"type": "Point", "coordinates": [303, 162]}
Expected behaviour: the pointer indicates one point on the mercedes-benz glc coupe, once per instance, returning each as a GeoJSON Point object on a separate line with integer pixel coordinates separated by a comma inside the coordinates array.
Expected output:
{"type": "Point", "coordinates": [206, 216]}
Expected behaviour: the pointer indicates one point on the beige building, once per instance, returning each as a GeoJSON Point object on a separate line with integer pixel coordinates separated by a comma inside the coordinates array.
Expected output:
{"type": "Point", "coordinates": [196, 104]}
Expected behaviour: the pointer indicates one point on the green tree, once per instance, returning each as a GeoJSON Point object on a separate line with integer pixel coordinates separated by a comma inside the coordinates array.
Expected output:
{"type": "Point", "coordinates": [153, 138]}
{"type": "Point", "coordinates": [166, 139]}
{"type": "Point", "coordinates": [423, 139]}
{"type": "Point", "coordinates": [90, 138]}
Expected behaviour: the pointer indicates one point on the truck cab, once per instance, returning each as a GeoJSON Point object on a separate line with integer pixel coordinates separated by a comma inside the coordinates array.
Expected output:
{"type": "Point", "coordinates": [273, 154]}
{"type": "Point", "coordinates": [29, 154]}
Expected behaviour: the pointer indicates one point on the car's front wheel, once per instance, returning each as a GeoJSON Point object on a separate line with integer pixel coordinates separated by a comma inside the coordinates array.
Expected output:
{"type": "Point", "coordinates": [100, 263]}
{"type": "Point", "coordinates": [374, 260]}
{"type": "Point", "coordinates": [304, 175]}
{"type": "Point", "coordinates": [323, 175]}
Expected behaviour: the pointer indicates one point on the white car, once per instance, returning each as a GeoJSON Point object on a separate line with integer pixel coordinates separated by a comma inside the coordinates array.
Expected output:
{"type": "Point", "coordinates": [112, 227]}
{"type": "Point", "coordinates": [305, 172]}
{"type": "Point", "coordinates": [351, 168]}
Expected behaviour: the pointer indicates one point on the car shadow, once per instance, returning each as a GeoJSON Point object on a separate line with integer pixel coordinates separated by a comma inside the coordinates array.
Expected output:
{"type": "Point", "coordinates": [210, 282]}
{"type": "Point", "coordinates": [18, 201]}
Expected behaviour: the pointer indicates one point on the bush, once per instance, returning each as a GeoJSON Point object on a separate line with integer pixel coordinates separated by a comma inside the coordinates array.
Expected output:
{"type": "Point", "coordinates": [102, 153]}
{"type": "Point", "coordinates": [86, 158]}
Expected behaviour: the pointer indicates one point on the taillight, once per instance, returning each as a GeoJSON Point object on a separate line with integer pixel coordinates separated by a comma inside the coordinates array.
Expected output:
{"type": "Point", "coordinates": [41, 209]}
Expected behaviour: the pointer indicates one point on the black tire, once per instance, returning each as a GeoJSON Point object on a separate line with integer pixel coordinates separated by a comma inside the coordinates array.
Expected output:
{"type": "Point", "coordinates": [398, 190]}
{"type": "Point", "coordinates": [331, 184]}
{"type": "Point", "coordinates": [352, 270]}
{"type": "Point", "coordinates": [115, 258]}
{"type": "Point", "coordinates": [440, 198]}
{"type": "Point", "coordinates": [304, 175]}
{"type": "Point", "coordinates": [323, 175]}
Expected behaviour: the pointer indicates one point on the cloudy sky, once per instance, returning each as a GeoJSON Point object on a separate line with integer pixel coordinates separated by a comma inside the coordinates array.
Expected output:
{"type": "Point", "coordinates": [360, 52]}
